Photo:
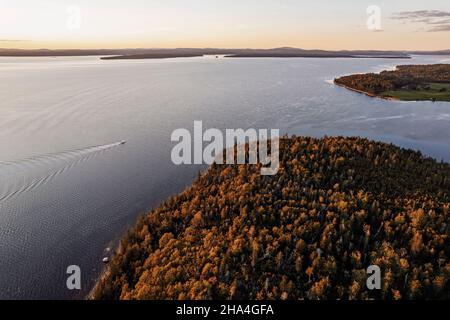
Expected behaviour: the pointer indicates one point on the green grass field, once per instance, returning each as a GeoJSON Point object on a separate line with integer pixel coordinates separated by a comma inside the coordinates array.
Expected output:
{"type": "Point", "coordinates": [421, 93]}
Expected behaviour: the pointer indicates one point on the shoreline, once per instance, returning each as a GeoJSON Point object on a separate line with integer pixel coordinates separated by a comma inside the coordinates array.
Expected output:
{"type": "Point", "coordinates": [368, 93]}
{"type": "Point", "coordinates": [106, 269]}
{"type": "Point", "coordinates": [104, 273]}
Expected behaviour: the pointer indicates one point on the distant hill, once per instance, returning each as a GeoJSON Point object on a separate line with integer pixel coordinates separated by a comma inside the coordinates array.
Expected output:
{"type": "Point", "coordinates": [337, 206]}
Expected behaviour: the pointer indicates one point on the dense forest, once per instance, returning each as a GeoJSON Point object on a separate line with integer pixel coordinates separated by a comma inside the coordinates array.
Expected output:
{"type": "Point", "coordinates": [404, 77]}
{"type": "Point", "coordinates": [336, 206]}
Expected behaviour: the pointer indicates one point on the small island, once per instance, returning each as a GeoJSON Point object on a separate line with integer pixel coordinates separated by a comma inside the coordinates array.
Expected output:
{"type": "Point", "coordinates": [406, 82]}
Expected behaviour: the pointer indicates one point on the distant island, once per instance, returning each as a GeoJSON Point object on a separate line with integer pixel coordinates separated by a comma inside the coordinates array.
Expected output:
{"type": "Point", "coordinates": [262, 53]}
{"type": "Point", "coordinates": [406, 82]}
{"type": "Point", "coordinates": [336, 206]}
{"type": "Point", "coordinates": [155, 55]}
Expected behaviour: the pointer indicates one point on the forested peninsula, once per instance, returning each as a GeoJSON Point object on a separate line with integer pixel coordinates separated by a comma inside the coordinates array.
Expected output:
{"type": "Point", "coordinates": [336, 206]}
{"type": "Point", "coordinates": [406, 82]}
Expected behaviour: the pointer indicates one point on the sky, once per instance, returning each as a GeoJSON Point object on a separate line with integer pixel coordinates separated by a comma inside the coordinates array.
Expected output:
{"type": "Point", "coordinates": [319, 24]}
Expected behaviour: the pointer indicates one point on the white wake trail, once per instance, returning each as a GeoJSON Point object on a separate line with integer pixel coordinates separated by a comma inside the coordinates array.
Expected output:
{"type": "Point", "coordinates": [23, 175]}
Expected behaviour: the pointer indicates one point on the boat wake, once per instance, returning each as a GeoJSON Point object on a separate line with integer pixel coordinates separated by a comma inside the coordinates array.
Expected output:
{"type": "Point", "coordinates": [23, 175]}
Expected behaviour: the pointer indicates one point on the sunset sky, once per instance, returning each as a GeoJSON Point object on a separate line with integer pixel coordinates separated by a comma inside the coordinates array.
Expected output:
{"type": "Point", "coordinates": [319, 24]}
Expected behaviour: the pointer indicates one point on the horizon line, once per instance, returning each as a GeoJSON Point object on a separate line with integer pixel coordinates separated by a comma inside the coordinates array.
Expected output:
{"type": "Point", "coordinates": [218, 48]}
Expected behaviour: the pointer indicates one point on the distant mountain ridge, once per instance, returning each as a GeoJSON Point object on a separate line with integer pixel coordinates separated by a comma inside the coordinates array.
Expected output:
{"type": "Point", "coordinates": [142, 53]}
{"type": "Point", "coordinates": [439, 52]}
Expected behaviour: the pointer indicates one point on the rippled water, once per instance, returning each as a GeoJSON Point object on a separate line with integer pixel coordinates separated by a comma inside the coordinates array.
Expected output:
{"type": "Point", "coordinates": [69, 189]}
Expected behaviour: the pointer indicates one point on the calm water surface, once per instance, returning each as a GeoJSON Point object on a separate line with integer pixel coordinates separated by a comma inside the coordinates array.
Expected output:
{"type": "Point", "coordinates": [68, 190]}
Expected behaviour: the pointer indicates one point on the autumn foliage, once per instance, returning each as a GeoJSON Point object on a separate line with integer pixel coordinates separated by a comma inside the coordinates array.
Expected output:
{"type": "Point", "coordinates": [336, 206]}
{"type": "Point", "coordinates": [405, 76]}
